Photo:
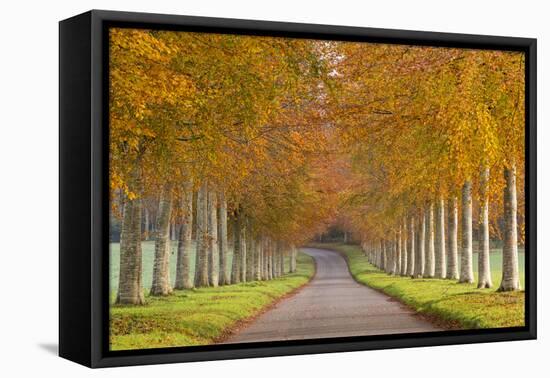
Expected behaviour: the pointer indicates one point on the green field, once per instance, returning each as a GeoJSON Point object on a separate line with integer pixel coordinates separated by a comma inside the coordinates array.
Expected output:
{"type": "Point", "coordinates": [456, 305]}
{"type": "Point", "coordinates": [148, 250]}
{"type": "Point", "coordinates": [199, 316]}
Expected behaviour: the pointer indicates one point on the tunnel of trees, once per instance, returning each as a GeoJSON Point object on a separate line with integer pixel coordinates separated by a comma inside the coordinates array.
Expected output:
{"type": "Point", "coordinates": [259, 144]}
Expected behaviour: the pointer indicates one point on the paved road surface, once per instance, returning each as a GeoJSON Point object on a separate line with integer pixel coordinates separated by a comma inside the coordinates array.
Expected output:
{"type": "Point", "coordinates": [332, 305]}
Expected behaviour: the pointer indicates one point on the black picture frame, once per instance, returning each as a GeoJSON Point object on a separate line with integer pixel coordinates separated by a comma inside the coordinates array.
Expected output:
{"type": "Point", "coordinates": [84, 198]}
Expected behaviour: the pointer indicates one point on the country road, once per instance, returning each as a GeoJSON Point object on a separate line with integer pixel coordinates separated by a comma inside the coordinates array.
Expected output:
{"type": "Point", "coordinates": [333, 304]}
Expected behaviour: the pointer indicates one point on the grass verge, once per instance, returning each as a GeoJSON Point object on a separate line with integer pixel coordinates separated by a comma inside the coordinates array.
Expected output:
{"type": "Point", "coordinates": [200, 316]}
{"type": "Point", "coordinates": [457, 305]}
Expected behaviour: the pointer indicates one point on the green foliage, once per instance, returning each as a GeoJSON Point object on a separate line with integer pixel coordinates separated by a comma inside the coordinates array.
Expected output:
{"type": "Point", "coordinates": [460, 305]}
{"type": "Point", "coordinates": [199, 316]}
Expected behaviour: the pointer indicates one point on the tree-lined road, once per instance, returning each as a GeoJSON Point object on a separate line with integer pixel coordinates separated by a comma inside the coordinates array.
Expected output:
{"type": "Point", "coordinates": [333, 304]}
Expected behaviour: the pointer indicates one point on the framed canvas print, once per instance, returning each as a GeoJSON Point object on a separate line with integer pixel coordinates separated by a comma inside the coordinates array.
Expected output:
{"type": "Point", "coordinates": [233, 188]}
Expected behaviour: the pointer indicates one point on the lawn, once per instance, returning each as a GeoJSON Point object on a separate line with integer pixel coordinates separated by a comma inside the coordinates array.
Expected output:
{"type": "Point", "coordinates": [148, 250]}
{"type": "Point", "coordinates": [199, 316]}
{"type": "Point", "coordinates": [458, 305]}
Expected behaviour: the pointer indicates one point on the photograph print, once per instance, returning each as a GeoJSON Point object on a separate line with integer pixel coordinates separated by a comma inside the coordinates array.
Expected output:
{"type": "Point", "coordinates": [268, 188]}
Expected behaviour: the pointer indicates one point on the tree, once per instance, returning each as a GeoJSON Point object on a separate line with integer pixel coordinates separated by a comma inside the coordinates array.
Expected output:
{"type": "Point", "coordinates": [201, 260]}
{"type": "Point", "coordinates": [484, 268]}
{"type": "Point", "coordinates": [452, 234]}
{"type": "Point", "coordinates": [440, 251]}
{"type": "Point", "coordinates": [161, 267]}
{"type": "Point", "coordinates": [510, 271]}
{"type": "Point", "coordinates": [223, 243]}
{"type": "Point", "coordinates": [466, 269]}
{"type": "Point", "coordinates": [183, 265]}
{"type": "Point", "coordinates": [129, 287]}
{"type": "Point", "coordinates": [429, 269]}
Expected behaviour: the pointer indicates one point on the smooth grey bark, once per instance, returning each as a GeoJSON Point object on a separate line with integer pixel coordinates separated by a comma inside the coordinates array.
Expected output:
{"type": "Point", "coordinates": [269, 259]}
{"type": "Point", "coordinates": [390, 245]}
{"type": "Point", "coordinates": [146, 224]}
{"type": "Point", "coordinates": [440, 258]}
{"type": "Point", "coordinates": [452, 234]}
{"type": "Point", "coordinates": [244, 252]}
{"type": "Point", "coordinates": [282, 261]}
{"type": "Point", "coordinates": [398, 250]}
{"type": "Point", "coordinates": [129, 281]}
{"type": "Point", "coordinates": [236, 265]}
{"type": "Point", "coordinates": [383, 255]}
{"type": "Point", "coordinates": [466, 266]}
{"type": "Point", "coordinates": [419, 248]}
{"type": "Point", "coordinates": [250, 258]}
{"type": "Point", "coordinates": [510, 269]}
{"type": "Point", "coordinates": [161, 268]}
{"type": "Point", "coordinates": [224, 278]}
{"type": "Point", "coordinates": [377, 253]}
{"type": "Point", "coordinates": [411, 252]}
{"type": "Point", "coordinates": [183, 268]}
{"type": "Point", "coordinates": [267, 275]}
{"type": "Point", "coordinates": [369, 251]}
{"type": "Point", "coordinates": [276, 260]}
{"type": "Point", "coordinates": [201, 261]}
{"type": "Point", "coordinates": [263, 270]}
{"type": "Point", "coordinates": [258, 259]}
{"type": "Point", "coordinates": [293, 254]}
{"type": "Point", "coordinates": [273, 260]}
{"type": "Point", "coordinates": [404, 249]}
{"type": "Point", "coordinates": [484, 265]}
{"type": "Point", "coordinates": [429, 267]}
{"type": "Point", "coordinates": [213, 249]}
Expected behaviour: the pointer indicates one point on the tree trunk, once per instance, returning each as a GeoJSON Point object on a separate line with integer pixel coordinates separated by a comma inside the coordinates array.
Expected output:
{"type": "Point", "coordinates": [452, 250]}
{"type": "Point", "coordinates": [161, 268]}
{"type": "Point", "coordinates": [429, 268]}
{"type": "Point", "coordinates": [258, 259]}
{"type": "Point", "coordinates": [146, 224]}
{"type": "Point", "coordinates": [236, 265]}
{"type": "Point", "coordinates": [183, 269]}
{"type": "Point", "coordinates": [404, 249]}
{"type": "Point", "coordinates": [378, 254]}
{"type": "Point", "coordinates": [293, 255]}
{"type": "Point", "coordinates": [440, 267]}
{"type": "Point", "coordinates": [383, 255]}
{"type": "Point", "coordinates": [466, 268]}
{"type": "Point", "coordinates": [269, 259]}
{"type": "Point", "coordinates": [411, 252]}
{"type": "Point", "coordinates": [129, 280]}
{"type": "Point", "coordinates": [398, 251]}
{"type": "Point", "coordinates": [244, 252]}
{"type": "Point", "coordinates": [390, 251]}
{"type": "Point", "coordinates": [201, 265]}
{"type": "Point", "coordinates": [420, 247]}
{"type": "Point", "coordinates": [484, 265]}
{"type": "Point", "coordinates": [224, 279]}
{"type": "Point", "coordinates": [274, 260]}
{"type": "Point", "coordinates": [263, 252]}
{"type": "Point", "coordinates": [250, 262]}
{"type": "Point", "coordinates": [510, 270]}
{"type": "Point", "coordinates": [213, 251]}
{"type": "Point", "coordinates": [282, 262]}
